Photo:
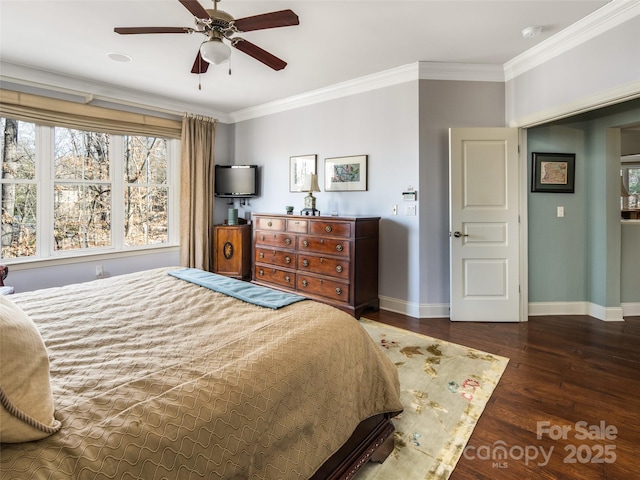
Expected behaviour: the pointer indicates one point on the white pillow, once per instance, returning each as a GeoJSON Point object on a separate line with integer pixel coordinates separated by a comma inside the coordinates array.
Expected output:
{"type": "Point", "coordinates": [26, 402]}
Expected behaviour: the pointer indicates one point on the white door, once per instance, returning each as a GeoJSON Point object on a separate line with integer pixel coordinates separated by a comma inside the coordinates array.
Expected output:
{"type": "Point", "coordinates": [483, 224]}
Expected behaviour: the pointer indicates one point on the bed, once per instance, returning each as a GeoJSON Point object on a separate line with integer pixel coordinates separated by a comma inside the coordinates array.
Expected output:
{"type": "Point", "coordinates": [153, 376]}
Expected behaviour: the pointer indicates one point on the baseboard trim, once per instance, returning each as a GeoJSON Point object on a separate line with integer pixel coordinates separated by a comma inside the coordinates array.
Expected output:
{"type": "Point", "coordinates": [441, 310]}
{"type": "Point", "coordinates": [606, 314]}
{"type": "Point", "coordinates": [437, 310]}
{"type": "Point", "coordinates": [631, 309]}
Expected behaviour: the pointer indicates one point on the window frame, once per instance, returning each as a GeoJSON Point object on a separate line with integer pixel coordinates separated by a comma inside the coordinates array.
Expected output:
{"type": "Point", "coordinates": [45, 181]}
{"type": "Point", "coordinates": [628, 162]}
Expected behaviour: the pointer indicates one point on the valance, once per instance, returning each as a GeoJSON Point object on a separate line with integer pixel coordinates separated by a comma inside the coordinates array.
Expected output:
{"type": "Point", "coordinates": [63, 113]}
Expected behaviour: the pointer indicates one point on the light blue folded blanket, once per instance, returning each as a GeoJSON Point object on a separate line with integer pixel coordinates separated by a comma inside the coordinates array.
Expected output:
{"type": "Point", "coordinates": [248, 292]}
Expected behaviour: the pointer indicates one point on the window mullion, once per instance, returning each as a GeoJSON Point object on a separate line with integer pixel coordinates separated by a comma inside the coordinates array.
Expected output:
{"type": "Point", "coordinates": [116, 155]}
{"type": "Point", "coordinates": [45, 178]}
{"type": "Point", "coordinates": [173, 185]}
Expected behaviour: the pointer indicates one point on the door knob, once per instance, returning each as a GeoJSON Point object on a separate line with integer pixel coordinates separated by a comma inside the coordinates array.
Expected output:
{"type": "Point", "coordinates": [458, 234]}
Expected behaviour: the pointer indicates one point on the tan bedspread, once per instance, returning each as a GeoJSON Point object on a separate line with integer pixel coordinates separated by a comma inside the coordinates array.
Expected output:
{"type": "Point", "coordinates": [154, 377]}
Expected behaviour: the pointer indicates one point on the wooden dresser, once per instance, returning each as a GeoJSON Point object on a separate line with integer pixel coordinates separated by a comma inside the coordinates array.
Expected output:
{"type": "Point", "coordinates": [330, 259]}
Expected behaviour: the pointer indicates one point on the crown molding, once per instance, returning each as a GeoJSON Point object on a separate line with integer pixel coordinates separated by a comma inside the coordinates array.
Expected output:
{"type": "Point", "coordinates": [395, 76]}
{"type": "Point", "coordinates": [386, 78]}
{"type": "Point", "coordinates": [468, 72]}
{"type": "Point", "coordinates": [605, 18]}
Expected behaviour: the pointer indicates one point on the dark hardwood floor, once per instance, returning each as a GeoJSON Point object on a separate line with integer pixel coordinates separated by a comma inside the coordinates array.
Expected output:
{"type": "Point", "coordinates": [573, 379]}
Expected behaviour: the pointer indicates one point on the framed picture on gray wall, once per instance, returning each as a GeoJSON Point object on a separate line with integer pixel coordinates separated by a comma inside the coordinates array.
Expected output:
{"type": "Point", "coordinates": [299, 167]}
{"type": "Point", "coordinates": [345, 174]}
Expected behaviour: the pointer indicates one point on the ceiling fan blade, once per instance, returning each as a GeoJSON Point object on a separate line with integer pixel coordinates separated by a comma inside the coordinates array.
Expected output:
{"type": "Point", "coordinates": [282, 18]}
{"type": "Point", "coordinates": [259, 54]}
{"type": "Point", "coordinates": [195, 8]}
{"type": "Point", "coordinates": [200, 65]}
{"type": "Point", "coordinates": [136, 30]}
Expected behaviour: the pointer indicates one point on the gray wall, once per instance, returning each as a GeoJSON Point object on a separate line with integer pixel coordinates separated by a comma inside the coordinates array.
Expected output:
{"type": "Point", "coordinates": [443, 105]}
{"type": "Point", "coordinates": [404, 131]}
{"type": "Point", "coordinates": [382, 124]}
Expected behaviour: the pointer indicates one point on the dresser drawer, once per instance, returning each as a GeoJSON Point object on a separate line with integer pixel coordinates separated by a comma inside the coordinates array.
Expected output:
{"type": "Point", "coordinates": [282, 240]}
{"type": "Point", "coordinates": [275, 276]}
{"type": "Point", "coordinates": [338, 229]}
{"type": "Point", "coordinates": [281, 258]}
{"type": "Point", "coordinates": [268, 223]}
{"type": "Point", "coordinates": [325, 287]}
{"type": "Point", "coordinates": [324, 245]}
{"type": "Point", "coordinates": [335, 267]}
{"type": "Point", "coordinates": [297, 225]}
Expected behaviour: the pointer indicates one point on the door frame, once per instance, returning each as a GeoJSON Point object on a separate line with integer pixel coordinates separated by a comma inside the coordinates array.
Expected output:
{"type": "Point", "coordinates": [523, 190]}
{"type": "Point", "coordinates": [523, 173]}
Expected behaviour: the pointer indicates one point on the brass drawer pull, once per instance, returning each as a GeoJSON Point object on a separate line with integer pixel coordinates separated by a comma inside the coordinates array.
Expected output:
{"type": "Point", "coordinates": [305, 263]}
{"type": "Point", "coordinates": [339, 268]}
{"type": "Point", "coordinates": [305, 243]}
{"type": "Point", "coordinates": [261, 273]}
{"type": "Point", "coordinates": [287, 278]}
{"type": "Point", "coordinates": [261, 255]}
{"type": "Point", "coordinates": [338, 290]}
{"type": "Point", "coordinates": [287, 241]}
{"type": "Point", "coordinates": [270, 224]}
{"type": "Point", "coordinates": [304, 283]}
{"type": "Point", "coordinates": [328, 229]}
{"type": "Point", "coordinates": [339, 247]}
{"type": "Point", "coordinates": [287, 259]}
{"type": "Point", "coordinates": [262, 238]}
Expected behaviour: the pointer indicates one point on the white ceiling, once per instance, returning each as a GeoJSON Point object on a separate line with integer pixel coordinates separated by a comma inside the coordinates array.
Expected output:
{"type": "Point", "coordinates": [335, 42]}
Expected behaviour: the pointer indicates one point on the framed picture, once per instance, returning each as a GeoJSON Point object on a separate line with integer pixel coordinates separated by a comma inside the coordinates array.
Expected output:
{"type": "Point", "coordinates": [345, 173]}
{"type": "Point", "coordinates": [298, 167]}
{"type": "Point", "coordinates": [553, 172]}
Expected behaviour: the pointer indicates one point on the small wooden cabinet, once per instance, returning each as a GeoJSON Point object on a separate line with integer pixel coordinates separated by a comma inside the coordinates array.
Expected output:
{"type": "Point", "coordinates": [330, 259]}
{"type": "Point", "coordinates": [232, 250]}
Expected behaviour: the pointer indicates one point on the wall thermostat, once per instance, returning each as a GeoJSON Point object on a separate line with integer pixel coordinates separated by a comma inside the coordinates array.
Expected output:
{"type": "Point", "coordinates": [409, 196]}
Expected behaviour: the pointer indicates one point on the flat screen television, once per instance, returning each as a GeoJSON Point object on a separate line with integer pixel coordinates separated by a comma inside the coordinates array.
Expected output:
{"type": "Point", "coordinates": [236, 181]}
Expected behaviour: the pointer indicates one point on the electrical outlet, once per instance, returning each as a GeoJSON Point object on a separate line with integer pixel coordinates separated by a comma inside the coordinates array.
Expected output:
{"type": "Point", "coordinates": [99, 271]}
{"type": "Point", "coordinates": [410, 210]}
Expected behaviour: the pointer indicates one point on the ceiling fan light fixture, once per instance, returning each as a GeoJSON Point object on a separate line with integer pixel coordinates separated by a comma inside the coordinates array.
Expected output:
{"type": "Point", "coordinates": [215, 51]}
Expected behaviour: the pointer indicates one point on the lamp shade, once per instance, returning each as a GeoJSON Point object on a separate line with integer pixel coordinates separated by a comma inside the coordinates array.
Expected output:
{"type": "Point", "coordinates": [310, 183]}
{"type": "Point", "coordinates": [215, 51]}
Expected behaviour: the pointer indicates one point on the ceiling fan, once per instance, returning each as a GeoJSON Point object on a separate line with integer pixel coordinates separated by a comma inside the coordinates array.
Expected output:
{"type": "Point", "coordinates": [219, 26]}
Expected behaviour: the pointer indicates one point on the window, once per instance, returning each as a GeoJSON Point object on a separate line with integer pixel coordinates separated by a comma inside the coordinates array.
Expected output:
{"type": "Point", "coordinates": [71, 192]}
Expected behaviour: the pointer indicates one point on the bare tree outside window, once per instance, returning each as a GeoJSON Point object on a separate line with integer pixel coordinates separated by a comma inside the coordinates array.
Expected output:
{"type": "Point", "coordinates": [82, 182]}
{"type": "Point", "coordinates": [82, 191]}
{"type": "Point", "coordinates": [18, 189]}
{"type": "Point", "coordinates": [146, 193]}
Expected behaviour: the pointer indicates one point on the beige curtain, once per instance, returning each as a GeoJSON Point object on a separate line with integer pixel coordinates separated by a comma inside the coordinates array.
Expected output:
{"type": "Point", "coordinates": [196, 192]}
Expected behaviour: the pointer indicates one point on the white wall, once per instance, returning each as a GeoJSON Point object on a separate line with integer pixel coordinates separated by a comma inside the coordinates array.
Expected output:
{"type": "Point", "coordinates": [600, 71]}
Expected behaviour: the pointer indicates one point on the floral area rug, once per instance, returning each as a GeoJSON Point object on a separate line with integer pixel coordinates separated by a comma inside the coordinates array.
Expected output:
{"type": "Point", "coordinates": [445, 388]}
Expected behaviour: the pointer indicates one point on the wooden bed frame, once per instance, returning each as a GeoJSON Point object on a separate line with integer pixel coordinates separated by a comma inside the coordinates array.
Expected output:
{"type": "Point", "coordinates": [373, 440]}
